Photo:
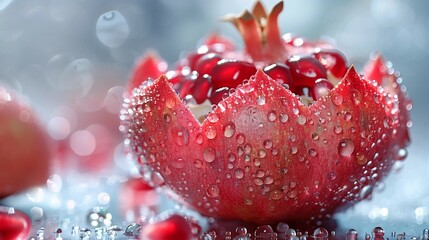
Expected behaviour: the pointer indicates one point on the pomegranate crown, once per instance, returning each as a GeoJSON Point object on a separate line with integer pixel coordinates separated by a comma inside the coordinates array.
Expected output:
{"type": "Point", "coordinates": [260, 32]}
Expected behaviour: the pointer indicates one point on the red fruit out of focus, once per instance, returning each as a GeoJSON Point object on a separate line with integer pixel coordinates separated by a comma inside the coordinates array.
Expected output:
{"type": "Point", "coordinates": [284, 130]}
{"type": "Point", "coordinates": [174, 227]}
{"type": "Point", "coordinates": [24, 148]}
{"type": "Point", "coordinates": [14, 224]}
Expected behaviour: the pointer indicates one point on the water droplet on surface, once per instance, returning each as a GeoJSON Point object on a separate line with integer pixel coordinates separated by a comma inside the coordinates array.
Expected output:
{"type": "Point", "coordinates": [312, 152]}
{"type": "Point", "coordinates": [211, 132]}
{"type": "Point", "coordinates": [351, 234]}
{"type": "Point", "coordinates": [264, 232]}
{"type": "Point", "coordinates": [167, 118]}
{"type": "Point", "coordinates": [337, 99]}
{"type": "Point", "coordinates": [199, 139]}
{"type": "Point", "coordinates": [301, 120]}
{"type": "Point", "coordinates": [240, 138]}
{"type": "Point", "coordinates": [209, 154]}
{"type": "Point", "coordinates": [229, 130]}
{"type": "Point", "coordinates": [99, 216]}
{"type": "Point", "coordinates": [276, 194]}
{"type": "Point", "coordinates": [260, 100]}
{"type": "Point", "coordinates": [283, 117]}
{"type": "Point", "coordinates": [321, 233]}
{"type": "Point", "coordinates": [356, 96]}
{"type": "Point", "coordinates": [338, 129]}
{"type": "Point", "coordinates": [112, 29]}
{"type": "Point", "coordinates": [133, 230]}
{"type": "Point", "coordinates": [181, 136]}
{"type": "Point", "coordinates": [178, 163]}
{"type": "Point", "coordinates": [213, 191]}
{"type": "Point", "coordinates": [401, 154]}
{"type": "Point", "coordinates": [238, 173]}
{"type": "Point", "coordinates": [272, 116]}
{"type": "Point", "coordinates": [346, 147]}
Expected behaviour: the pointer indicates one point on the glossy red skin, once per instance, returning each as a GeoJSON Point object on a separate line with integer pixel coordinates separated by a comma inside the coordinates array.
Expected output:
{"type": "Point", "coordinates": [174, 227]}
{"type": "Point", "coordinates": [14, 225]}
{"type": "Point", "coordinates": [150, 66]}
{"type": "Point", "coordinates": [24, 147]}
{"type": "Point", "coordinates": [355, 111]}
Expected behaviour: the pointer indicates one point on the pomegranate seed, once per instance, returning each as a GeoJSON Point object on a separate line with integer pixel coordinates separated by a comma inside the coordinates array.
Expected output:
{"type": "Point", "coordinates": [229, 73]}
{"type": "Point", "coordinates": [206, 63]}
{"type": "Point", "coordinates": [185, 87]}
{"type": "Point", "coordinates": [305, 70]}
{"type": "Point", "coordinates": [219, 95]}
{"type": "Point", "coordinates": [333, 60]}
{"type": "Point", "coordinates": [201, 88]}
{"type": "Point", "coordinates": [279, 72]}
{"type": "Point", "coordinates": [320, 89]}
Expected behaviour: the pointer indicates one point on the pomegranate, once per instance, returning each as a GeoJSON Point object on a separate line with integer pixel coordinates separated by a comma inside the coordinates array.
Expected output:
{"type": "Point", "coordinates": [284, 130]}
{"type": "Point", "coordinates": [24, 147]}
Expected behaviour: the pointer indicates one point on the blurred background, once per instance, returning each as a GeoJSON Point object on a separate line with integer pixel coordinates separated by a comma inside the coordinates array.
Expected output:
{"type": "Point", "coordinates": [72, 58]}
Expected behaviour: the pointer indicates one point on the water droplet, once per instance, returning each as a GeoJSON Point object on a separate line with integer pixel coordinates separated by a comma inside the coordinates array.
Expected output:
{"type": "Point", "coordinates": [276, 194]}
{"type": "Point", "coordinates": [312, 152]}
{"type": "Point", "coordinates": [181, 136]}
{"type": "Point", "coordinates": [132, 230]}
{"type": "Point", "coordinates": [351, 234]}
{"type": "Point", "coordinates": [337, 99]}
{"type": "Point", "coordinates": [198, 163]}
{"type": "Point", "coordinates": [178, 163]}
{"type": "Point", "coordinates": [211, 132]}
{"type": "Point", "coordinates": [229, 130]}
{"type": "Point", "coordinates": [213, 191]}
{"type": "Point", "coordinates": [401, 154]}
{"type": "Point", "coordinates": [301, 120]}
{"type": "Point", "coordinates": [321, 233]}
{"type": "Point", "coordinates": [264, 232]}
{"type": "Point", "coordinates": [99, 216]}
{"type": "Point", "coordinates": [199, 139]}
{"type": "Point", "coordinates": [209, 154]}
{"type": "Point", "coordinates": [283, 117]}
{"type": "Point", "coordinates": [170, 103]}
{"type": "Point", "coordinates": [338, 129]}
{"type": "Point", "coordinates": [241, 231]}
{"type": "Point", "coordinates": [213, 118]}
{"type": "Point", "coordinates": [238, 173]}
{"type": "Point", "coordinates": [293, 150]}
{"type": "Point", "coordinates": [361, 159]}
{"type": "Point", "coordinates": [346, 147]}
{"type": "Point", "coordinates": [282, 227]}
{"type": "Point", "coordinates": [240, 138]}
{"type": "Point", "coordinates": [356, 96]}
{"type": "Point", "coordinates": [112, 29]}
{"type": "Point", "coordinates": [366, 192]}
{"type": "Point", "coordinates": [260, 100]}
{"type": "Point", "coordinates": [167, 118]}
{"type": "Point", "coordinates": [272, 116]}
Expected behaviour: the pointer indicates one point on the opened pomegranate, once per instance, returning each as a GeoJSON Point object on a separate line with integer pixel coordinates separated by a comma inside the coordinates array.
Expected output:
{"type": "Point", "coordinates": [283, 130]}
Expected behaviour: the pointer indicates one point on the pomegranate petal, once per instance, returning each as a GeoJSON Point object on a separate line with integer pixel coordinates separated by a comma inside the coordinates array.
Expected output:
{"type": "Point", "coordinates": [377, 70]}
{"type": "Point", "coordinates": [150, 66]}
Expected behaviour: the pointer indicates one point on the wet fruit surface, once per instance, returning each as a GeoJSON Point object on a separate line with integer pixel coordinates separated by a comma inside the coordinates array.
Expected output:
{"type": "Point", "coordinates": [293, 134]}
{"type": "Point", "coordinates": [13, 224]}
{"type": "Point", "coordinates": [24, 148]}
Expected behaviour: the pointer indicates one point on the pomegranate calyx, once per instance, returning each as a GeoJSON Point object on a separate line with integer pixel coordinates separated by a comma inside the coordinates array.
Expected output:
{"type": "Point", "coordinates": [260, 32]}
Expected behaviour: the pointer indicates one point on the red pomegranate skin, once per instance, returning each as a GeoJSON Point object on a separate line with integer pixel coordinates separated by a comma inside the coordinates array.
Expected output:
{"type": "Point", "coordinates": [24, 147]}
{"type": "Point", "coordinates": [263, 154]}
